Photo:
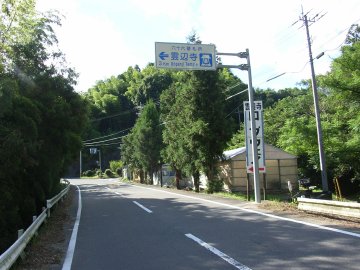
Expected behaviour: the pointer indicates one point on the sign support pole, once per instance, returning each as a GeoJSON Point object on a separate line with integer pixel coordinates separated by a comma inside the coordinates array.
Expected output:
{"type": "Point", "coordinates": [252, 116]}
{"type": "Point", "coordinates": [253, 134]}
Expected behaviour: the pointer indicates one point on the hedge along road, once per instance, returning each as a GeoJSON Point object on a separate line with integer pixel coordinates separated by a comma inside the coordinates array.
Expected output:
{"type": "Point", "coordinates": [126, 226]}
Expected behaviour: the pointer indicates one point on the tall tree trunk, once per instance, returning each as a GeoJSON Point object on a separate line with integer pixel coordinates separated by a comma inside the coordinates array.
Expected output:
{"type": "Point", "coordinates": [177, 178]}
{"type": "Point", "coordinates": [141, 174]}
{"type": "Point", "coordinates": [196, 176]}
{"type": "Point", "coordinates": [151, 177]}
{"type": "Point", "coordinates": [210, 179]}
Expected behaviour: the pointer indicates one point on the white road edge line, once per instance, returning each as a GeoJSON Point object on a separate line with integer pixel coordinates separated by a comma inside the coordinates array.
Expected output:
{"type": "Point", "coordinates": [259, 213]}
{"type": "Point", "coordinates": [218, 253]}
{"type": "Point", "coordinates": [143, 207]}
{"type": "Point", "coordinates": [72, 243]}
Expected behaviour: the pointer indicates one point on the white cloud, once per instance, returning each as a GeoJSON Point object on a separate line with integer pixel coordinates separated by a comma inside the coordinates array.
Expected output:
{"type": "Point", "coordinates": [102, 38]}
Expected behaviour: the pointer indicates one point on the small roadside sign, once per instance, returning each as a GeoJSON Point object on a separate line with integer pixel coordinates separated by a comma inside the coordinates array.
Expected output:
{"type": "Point", "coordinates": [258, 112]}
{"type": "Point", "coordinates": [185, 56]}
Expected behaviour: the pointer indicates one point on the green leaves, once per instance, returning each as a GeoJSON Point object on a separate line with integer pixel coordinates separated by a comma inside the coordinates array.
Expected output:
{"type": "Point", "coordinates": [290, 123]}
{"type": "Point", "coordinates": [41, 117]}
{"type": "Point", "coordinates": [345, 74]}
{"type": "Point", "coordinates": [142, 146]}
{"type": "Point", "coordinates": [196, 129]}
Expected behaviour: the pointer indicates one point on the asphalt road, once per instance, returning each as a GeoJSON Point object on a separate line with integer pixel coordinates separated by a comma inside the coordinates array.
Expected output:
{"type": "Point", "coordinates": [123, 226]}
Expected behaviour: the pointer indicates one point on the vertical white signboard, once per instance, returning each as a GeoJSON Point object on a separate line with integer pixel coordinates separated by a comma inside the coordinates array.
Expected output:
{"type": "Point", "coordinates": [259, 123]}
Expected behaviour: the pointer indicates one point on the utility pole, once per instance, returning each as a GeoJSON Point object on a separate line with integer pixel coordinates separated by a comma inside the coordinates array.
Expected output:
{"type": "Point", "coordinates": [324, 180]}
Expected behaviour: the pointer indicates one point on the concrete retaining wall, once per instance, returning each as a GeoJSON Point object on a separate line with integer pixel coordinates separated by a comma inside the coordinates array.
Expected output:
{"type": "Point", "coordinates": [346, 209]}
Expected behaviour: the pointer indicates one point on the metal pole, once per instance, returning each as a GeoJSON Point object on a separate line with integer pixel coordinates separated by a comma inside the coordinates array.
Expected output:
{"type": "Point", "coordinates": [252, 116]}
{"type": "Point", "coordinates": [324, 181]}
{"type": "Point", "coordinates": [100, 159]}
{"type": "Point", "coordinates": [80, 163]}
{"type": "Point", "coordinates": [253, 134]}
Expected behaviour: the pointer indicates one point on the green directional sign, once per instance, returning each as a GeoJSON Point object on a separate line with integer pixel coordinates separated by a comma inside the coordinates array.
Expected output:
{"type": "Point", "coordinates": [185, 56]}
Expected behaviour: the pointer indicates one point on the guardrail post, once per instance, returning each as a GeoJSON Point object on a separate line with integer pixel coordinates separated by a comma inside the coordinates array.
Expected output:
{"type": "Point", "coordinates": [34, 219]}
{"type": "Point", "coordinates": [20, 233]}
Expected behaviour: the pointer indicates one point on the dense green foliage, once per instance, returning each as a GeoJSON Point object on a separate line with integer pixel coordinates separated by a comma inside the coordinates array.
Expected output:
{"type": "Point", "coordinates": [290, 124]}
{"type": "Point", "coordinates": [196, 129]}
{"type": "Point", "coordinates": [200, 114]}
{"type": "Point", "coordinates": [145, 142]}
{"type": "Point", "coordinates": [41, 117]}
{"type": "Point", "coordinates": [116, 166]}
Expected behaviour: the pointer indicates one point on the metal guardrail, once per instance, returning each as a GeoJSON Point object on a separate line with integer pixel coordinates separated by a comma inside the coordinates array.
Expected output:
{"type": "Point", "coordinates": [345, 209]}
{"type": "Point", "coordinates": [9, 257]}
{"type": "Point", "coordinates": [51, 202]}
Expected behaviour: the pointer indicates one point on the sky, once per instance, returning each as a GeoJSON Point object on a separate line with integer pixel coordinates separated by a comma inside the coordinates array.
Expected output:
{"type": "Point", "coordinates": [102, 38]}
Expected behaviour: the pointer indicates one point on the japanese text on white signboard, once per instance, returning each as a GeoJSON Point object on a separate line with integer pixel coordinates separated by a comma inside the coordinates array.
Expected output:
{"type": "Point", "coordinates": [258, 115]}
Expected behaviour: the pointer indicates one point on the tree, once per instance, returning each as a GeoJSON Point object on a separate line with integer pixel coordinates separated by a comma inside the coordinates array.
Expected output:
{"type": "Point", "coordinates": [142, 147]}
{"type": "Point", "coordinates": [111, 110]}
{"type": "Point", "coordinates": [17, 22]}
{"type": "Point", "coordinates": [232, 86]}
{"type": "Point", "coordinates": [41, 117]}
{"type": "Point", "coordinates": [344, 76]}
{"type": "Point", "coordinates": [270, 98]}
{"type": "Point", "coordinates": [290, 125]}
{"type": "Point", "coordinates": [196, 130]}
{"type": "Point", "coordinates": [179, 132]}
{"type": "Point", "coordinates": [148, 140]}
{"type": "Point", "coordinates": [353, 35]}
{"type": "Point", "coordinates": [343, 82]}
{"type": "Point", "coordinates": [148, 84]}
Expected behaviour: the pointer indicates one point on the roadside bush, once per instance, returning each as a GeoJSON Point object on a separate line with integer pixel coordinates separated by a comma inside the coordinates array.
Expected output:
{"type": "Point", "coordinates": [99, 173]}
{"type": "Point", "coordinates": [89, 173]}
{"type": "Point", "coordinates": [109, 173]}
{"type": "Point", "coordinates": [116, 166]}
{"type": "Point", "coordinates": [119, 171]}
{"type": "Point", "coordinates": [215, 185]}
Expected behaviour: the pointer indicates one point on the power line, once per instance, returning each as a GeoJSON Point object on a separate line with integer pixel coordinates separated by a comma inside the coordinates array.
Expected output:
{"type": "Point", "coordinates": [114, 115]}
{"type": "Point", "coordinates": [319, 15]}
{"type": "Point", "coordinates": [102, 137]}
{"type": "Point", "coordinates": [109, 140]}
{"type": "Point", "coordinates": [237, 94]}
{"type": "Point", "coordinates": [233, 86]}
{"type": "Point", "coordinates": [102, 144]}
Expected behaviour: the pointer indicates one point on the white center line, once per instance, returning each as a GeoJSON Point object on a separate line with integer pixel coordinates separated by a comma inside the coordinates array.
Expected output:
{"type": "Point", "coordinates": [143, 207]}
{"type": "Point", "coordinates": [357, 235]}
{"type": "Point", "coordinates": [218, 252]}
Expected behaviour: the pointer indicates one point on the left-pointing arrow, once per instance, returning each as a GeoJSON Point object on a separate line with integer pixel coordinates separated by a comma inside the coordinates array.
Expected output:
{"type": "Point", "coordinates": [163, 55]}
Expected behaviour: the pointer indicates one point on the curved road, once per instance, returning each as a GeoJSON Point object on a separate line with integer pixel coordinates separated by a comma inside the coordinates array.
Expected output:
{"type": "Point", "coordinates": [125, 226]}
